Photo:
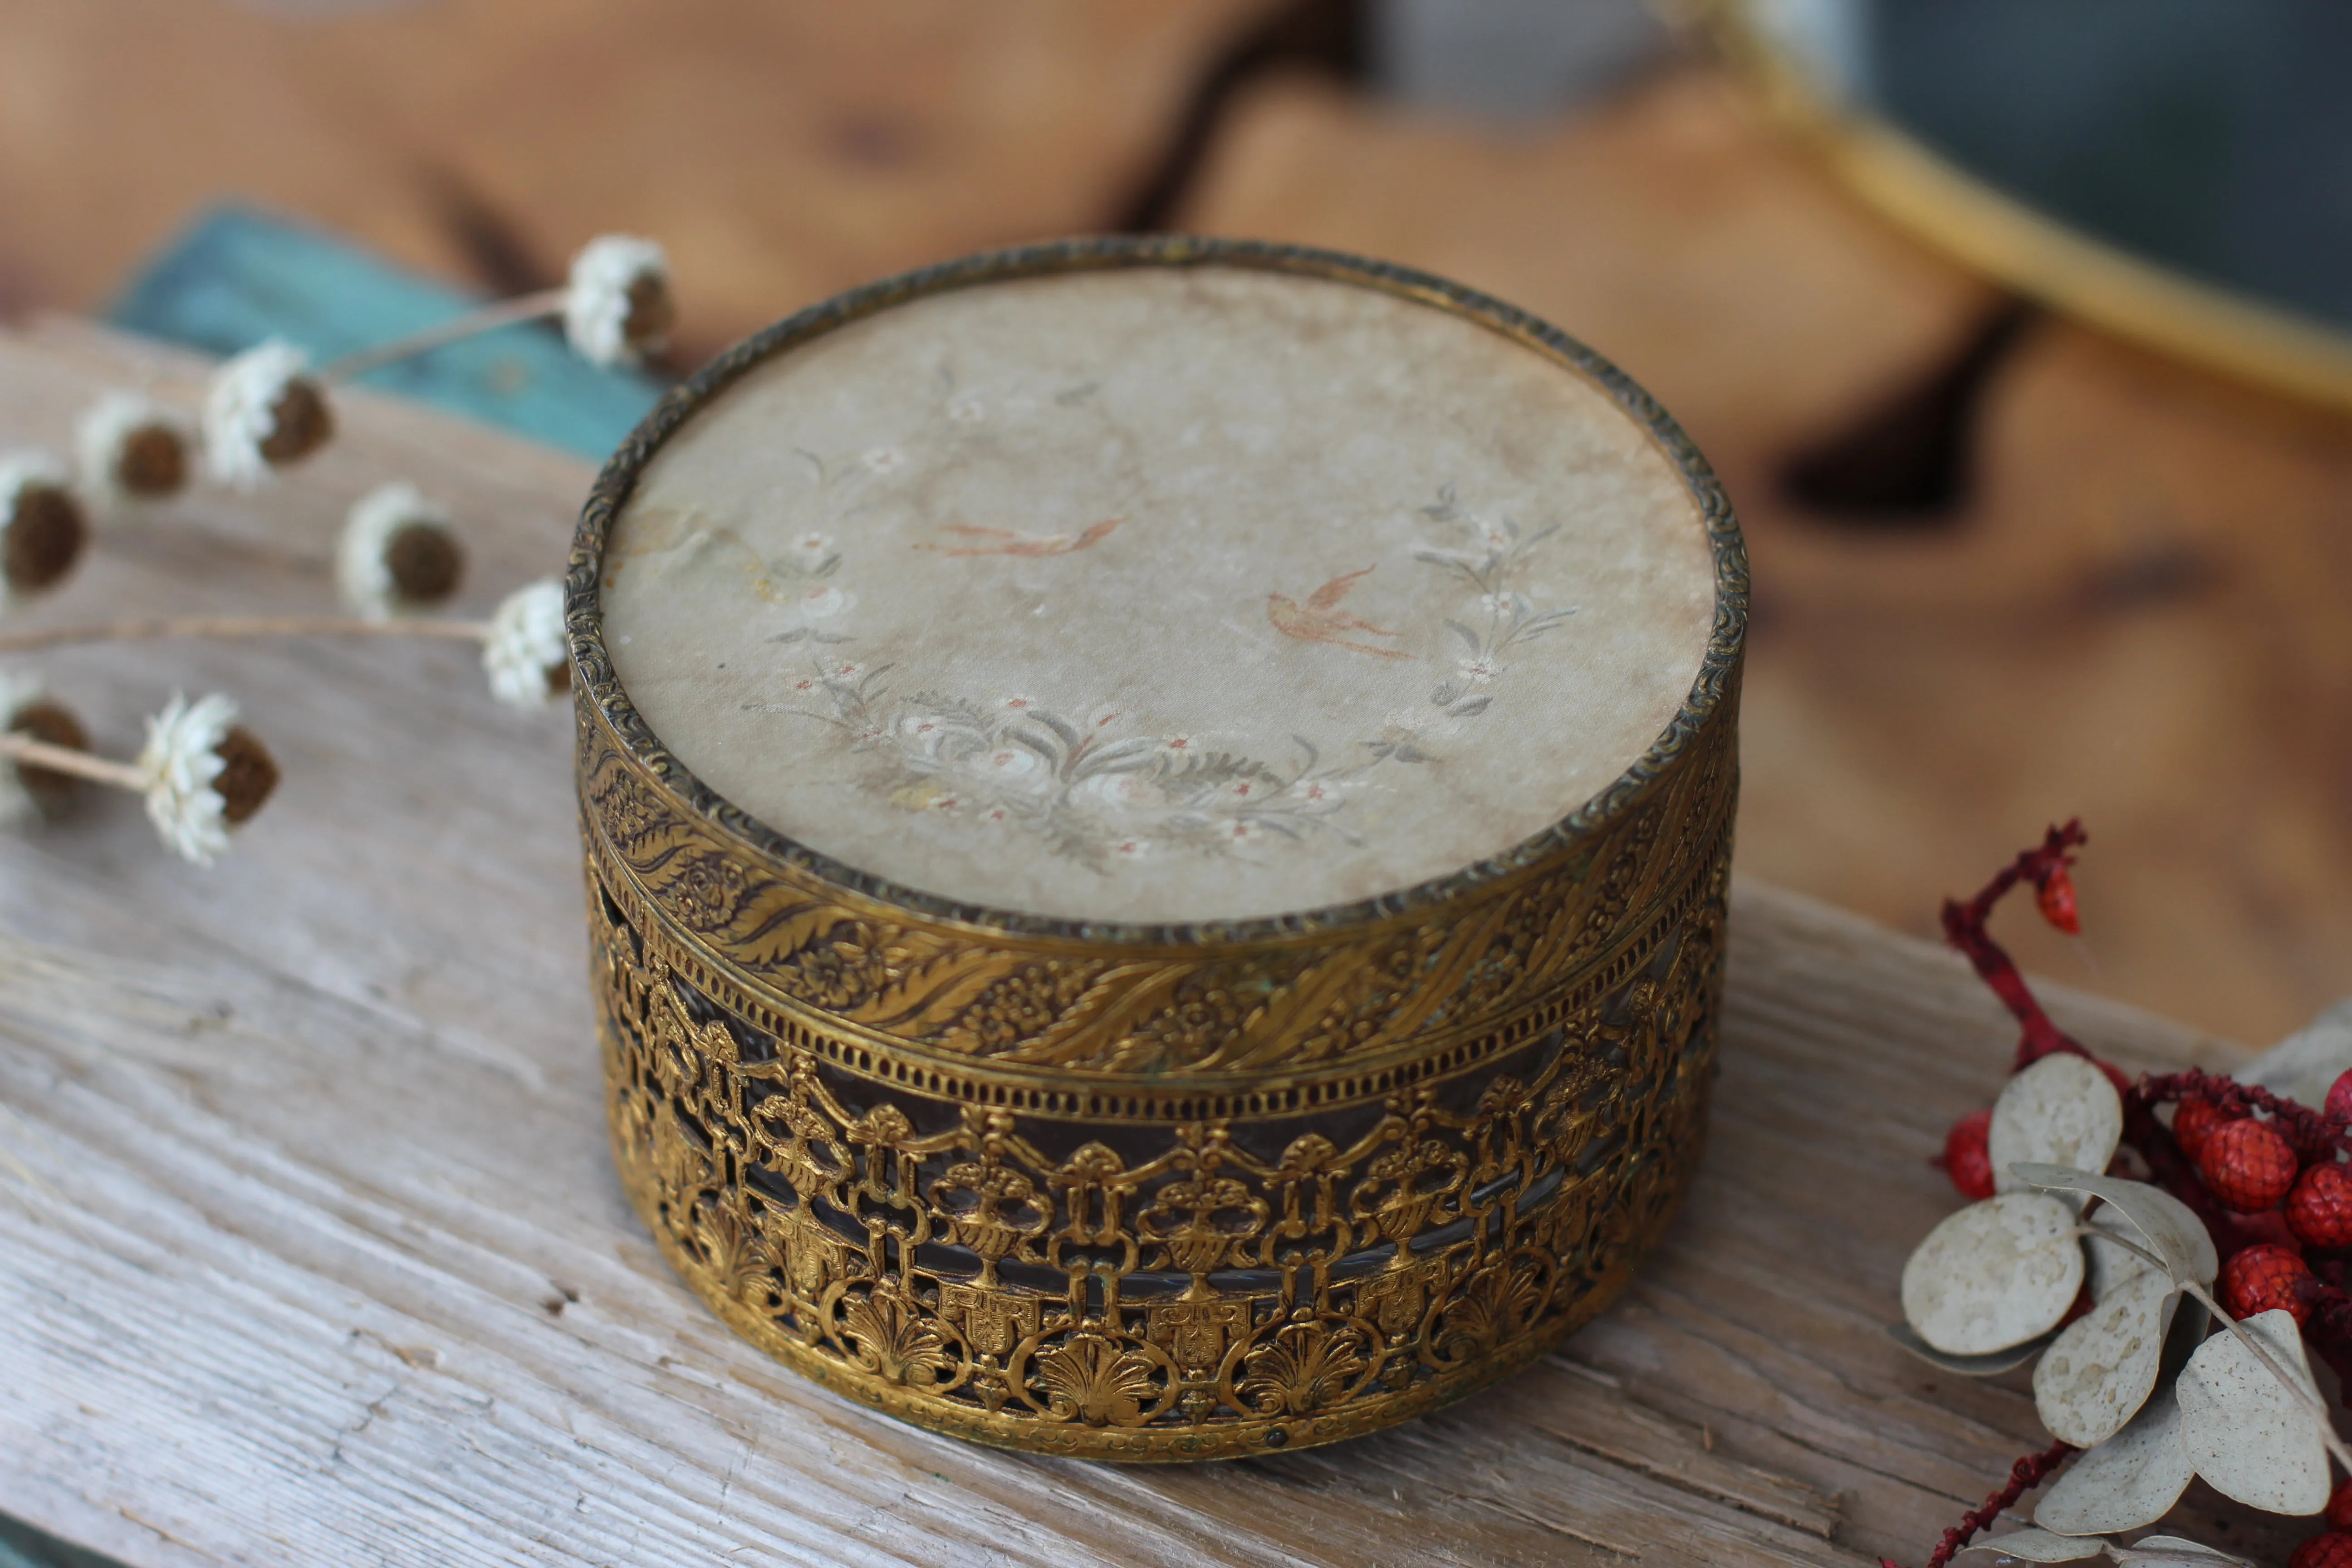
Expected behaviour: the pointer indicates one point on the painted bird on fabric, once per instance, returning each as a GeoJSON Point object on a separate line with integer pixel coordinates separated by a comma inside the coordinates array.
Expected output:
{"type": "Point", "coordinates": [1321, 619]}
{"type": "Point", "coordinates": [1006, 542]}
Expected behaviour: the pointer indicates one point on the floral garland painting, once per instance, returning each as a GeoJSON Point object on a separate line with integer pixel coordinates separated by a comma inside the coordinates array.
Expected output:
{"type": "Point", "coordinates": [1090, 793]}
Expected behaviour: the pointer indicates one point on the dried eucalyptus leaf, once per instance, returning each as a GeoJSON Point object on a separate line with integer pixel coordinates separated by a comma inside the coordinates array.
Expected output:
{"type": "Point", "coordinates": [1994, 1275]}
{"type": "Point", "coordinates": [2061, 1110]}
{"type": "Point", "coordinates": [2169, 1228]}
{"type": "Point", "coordinates": [1992, 1363]}
{"type": "Point", "coordinates": [2132, 1479]}
{"type": "Point", "coordinates": [2173, 1552]}
{"type": "Point", "coordinates": [2251, 1438]}
{"type": "Point", "coordinates": [2041, 1546]}
{"type": "Point", "coordinates": [2101, 1368]}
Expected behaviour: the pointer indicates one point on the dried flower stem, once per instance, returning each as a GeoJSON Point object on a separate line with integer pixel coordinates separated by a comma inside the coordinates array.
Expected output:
{"type": "Point", "coordinates": [30, 752]}
{"type": "Point", "coordinates": [241, 627]}
{"type": "Point", "coordinates": [2023, 1477]}
{"type": "Point", "coordinates": [473, 323]}
{"type": "Point", "coordinates": [1964, 928]}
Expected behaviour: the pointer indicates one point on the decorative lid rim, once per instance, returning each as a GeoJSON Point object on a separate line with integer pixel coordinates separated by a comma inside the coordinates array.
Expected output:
{"type": "Point", "coordinates": [597, 684]}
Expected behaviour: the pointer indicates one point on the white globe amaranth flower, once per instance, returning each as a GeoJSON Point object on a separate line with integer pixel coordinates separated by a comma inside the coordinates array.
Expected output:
{"type": "Point", "coordinates": [130, 448]}
{"type": "Point", "coordinates": [263, 410]}
{"type": "Point", "coordinates": [42, 526]}
{"type": "Point", "coordinates": [178, 768]}
{"type": "Point", "coordinates": [399, 552]}
{"type": "Point", "coordinates": [617, 306]}
{"type": "Point", "coordinates": [528, 656]}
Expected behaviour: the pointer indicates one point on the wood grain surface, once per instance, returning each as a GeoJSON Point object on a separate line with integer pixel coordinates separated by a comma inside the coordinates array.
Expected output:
{"type": "Point", "coordinates": [311, 1251]}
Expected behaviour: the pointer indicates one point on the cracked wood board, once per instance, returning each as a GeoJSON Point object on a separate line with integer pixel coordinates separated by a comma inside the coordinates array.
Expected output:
{"type": "Point", "coordinates": [311, 1250]}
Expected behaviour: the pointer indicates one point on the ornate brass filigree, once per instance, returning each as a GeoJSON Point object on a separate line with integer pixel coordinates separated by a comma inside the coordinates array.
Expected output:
{"type": "Point", "coordinates": [1133, 1193]}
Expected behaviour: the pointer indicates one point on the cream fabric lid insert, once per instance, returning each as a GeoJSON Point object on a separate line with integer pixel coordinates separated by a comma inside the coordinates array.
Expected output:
{"type": "Point", "coordinates": [1159, 594]}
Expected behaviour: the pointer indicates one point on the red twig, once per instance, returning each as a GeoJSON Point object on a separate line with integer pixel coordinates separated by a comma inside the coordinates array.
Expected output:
{"type": "Point", "coordinates": [1964, 928]}
{"type": "Point", "coordinates": [2023, 1477]}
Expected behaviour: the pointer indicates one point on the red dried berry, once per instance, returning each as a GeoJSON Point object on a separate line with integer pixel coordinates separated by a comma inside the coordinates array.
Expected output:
{"type": "Point", "coordinates": [2259, 1279]}
{"type": "Point", "coordinates": [2057, 899]}
{"type": "Point", "coordinates": [2248, 1164]}
{"type": "Point", "coordinates": [2339, 1098]}
{"type": "Point", "coordinates": [2339, 1505]}
{"type": "Point", "coordinates": [2319, 1209]}
{"type": "Point", "coordinates": [1965, 1159]}
{"type": "Point", "coordinates": [2194, 1119]}
{"type": "Point", "coordinates": [2333, 1550]}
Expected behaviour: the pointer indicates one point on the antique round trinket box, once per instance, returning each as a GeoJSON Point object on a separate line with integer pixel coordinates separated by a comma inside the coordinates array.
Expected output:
{"type": "Point", "coordinates": [1156, 816]}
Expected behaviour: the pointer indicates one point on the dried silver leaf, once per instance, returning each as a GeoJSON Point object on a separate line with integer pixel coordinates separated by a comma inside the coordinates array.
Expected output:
{"type": "Point", "coordinates": [2131, 1479]}
{"type": "Point", "coordinates": [2250, 1437]}
{"type": "Point", "coordinates": [2101, 1366]}
{"type": "Point", "coordinates": [2061, 1110]}
{"type": "Point", "coordinates": [2173, 1552]}
{"type": "Point", "coordinates": [2169, 1228]}
{"type": "Point", "coordinates": [2041, 1546]}
{"type": "Point", "coordinates": [1992, 1363]}
{"type": "Point", "coordinates": [1994, 1275]}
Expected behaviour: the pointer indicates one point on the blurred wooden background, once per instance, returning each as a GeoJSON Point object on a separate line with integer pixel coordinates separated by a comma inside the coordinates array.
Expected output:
{"type": "Point", "coordinates": [2133, 612]}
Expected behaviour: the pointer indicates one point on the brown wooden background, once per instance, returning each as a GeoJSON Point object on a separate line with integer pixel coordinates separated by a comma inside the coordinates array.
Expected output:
{"type": "Point", "coordinates": [2136, 613]}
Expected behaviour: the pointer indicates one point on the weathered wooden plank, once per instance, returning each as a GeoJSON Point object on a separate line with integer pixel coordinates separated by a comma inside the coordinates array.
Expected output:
{"type": "Point", "coordinates": [311, 1249]}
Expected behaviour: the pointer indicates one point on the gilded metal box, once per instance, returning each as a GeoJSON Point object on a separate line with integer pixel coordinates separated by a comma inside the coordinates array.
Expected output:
{"type": "Point", "coordinates": [1156, 816]}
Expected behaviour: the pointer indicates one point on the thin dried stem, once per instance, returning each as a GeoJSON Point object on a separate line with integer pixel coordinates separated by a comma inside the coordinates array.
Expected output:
{"type": "Point", "coordinates": [2023, 1477]}
{"type": "Point", "coordinates": [473, 323]}
{"type": "Point", "coordinates": [30, 752]}
{"type": "Point", "coordinates": [1964, 928]}
{"type": "Point", "coordinates": [241, 627]}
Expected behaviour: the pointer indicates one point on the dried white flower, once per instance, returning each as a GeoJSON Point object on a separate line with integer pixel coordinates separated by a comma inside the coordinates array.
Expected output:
{"type": "Point", "coordinates": [42, 529]}
{"type": "Point", "coordinates": [131, 448]}
{"type": "Point", "coordinates": [202, 775]}
{"type": "Point", "coordinates": [616, 304]}
{"type": "Point", "coordinates": [399, 552]}
{"type": "Point", "coordinates": [262, 412]}
{"type": "Point", "coordinates": [527, 654]}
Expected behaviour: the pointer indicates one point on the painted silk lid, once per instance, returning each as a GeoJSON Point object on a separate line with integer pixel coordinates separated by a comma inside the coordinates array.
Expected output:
{"type": "Point", "coordinates": [1159, 594]}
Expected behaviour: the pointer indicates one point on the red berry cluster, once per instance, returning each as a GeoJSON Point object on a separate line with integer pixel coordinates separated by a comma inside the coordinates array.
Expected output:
{"type": "Point", "coordinates": [2267, 1176]}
